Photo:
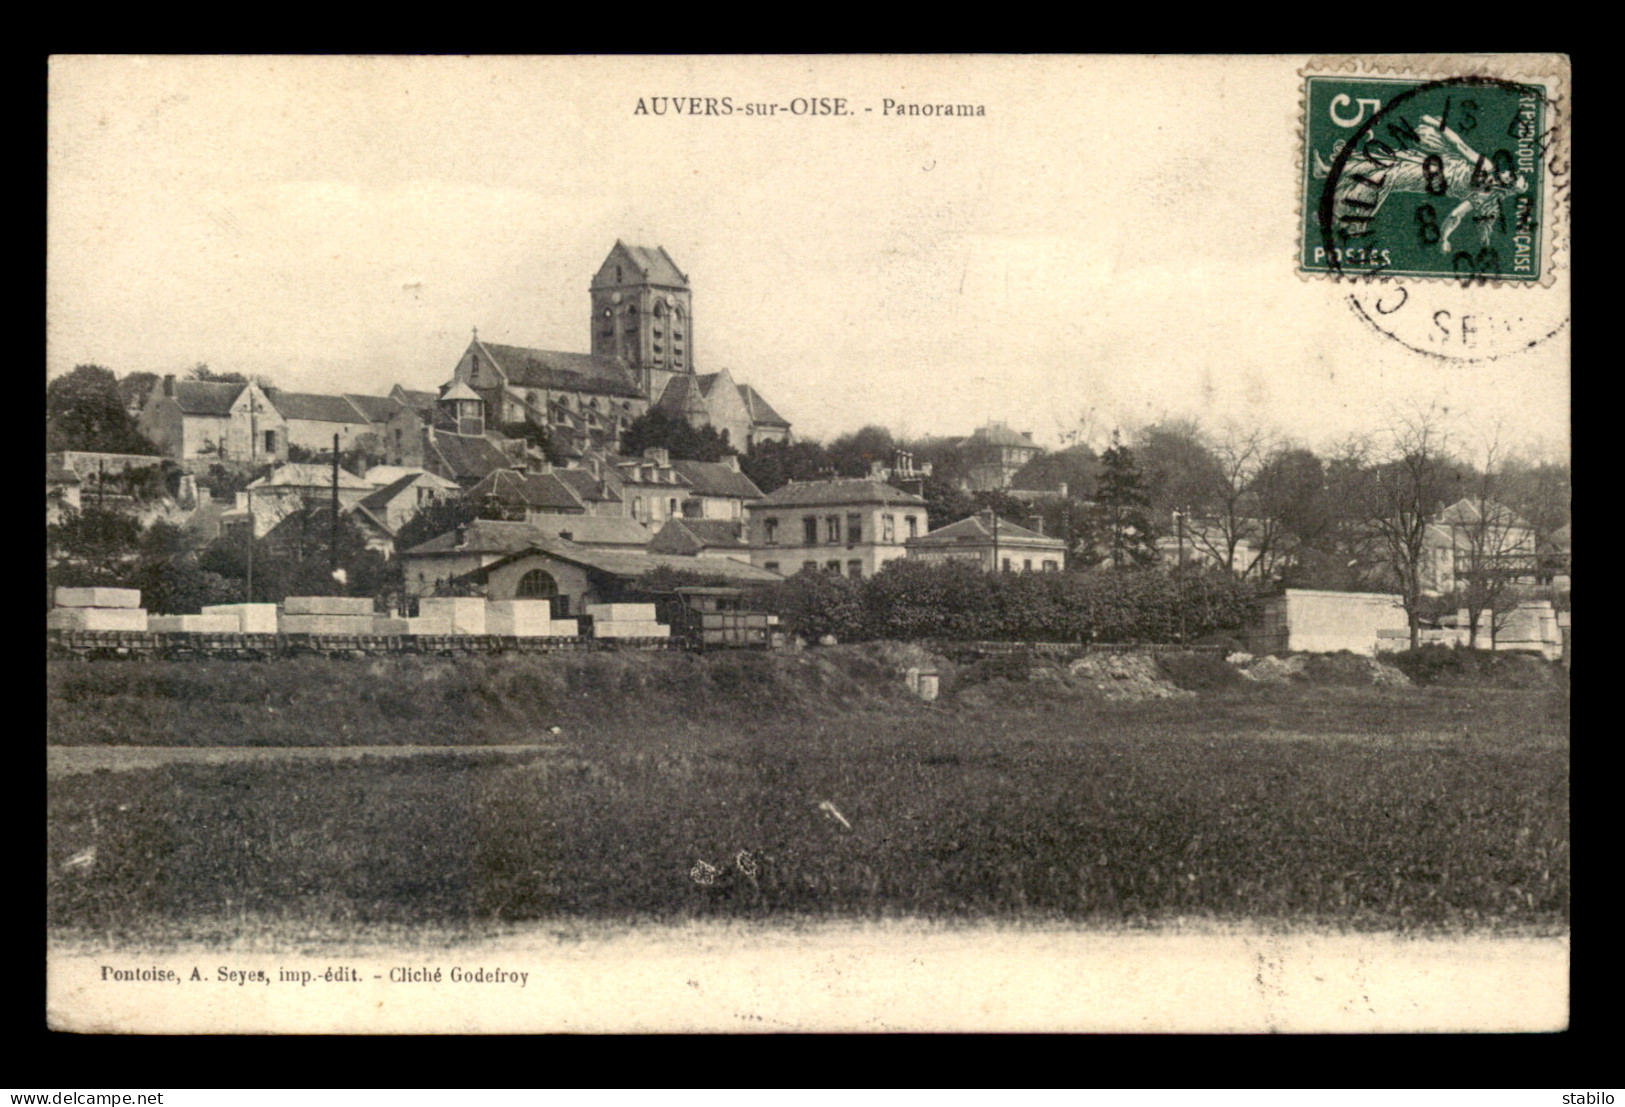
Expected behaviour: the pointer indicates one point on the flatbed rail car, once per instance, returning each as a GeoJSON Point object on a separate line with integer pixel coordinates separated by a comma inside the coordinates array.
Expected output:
{"type": "Point", "coordinates": [717, 618]}
{"type": "Point", "coordinates": [181, 645]}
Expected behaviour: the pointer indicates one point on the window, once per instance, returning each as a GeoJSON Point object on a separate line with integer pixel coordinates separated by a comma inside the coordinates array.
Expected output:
{"type": "Point", "coordinates": [771, 566]}
{"type": "Point", "coordinates": [854, 529]}
{"type": "Point", "coordinates": [671, 508]}
{"type": "Point", "coordinates": [770, 532]}
{"type": "Point", "coordinates": [1027, 565]}
{"type": "Point", "coordinates": [913, 526]}
{"type": "Point", "coordinates": [832, 529]}
{"type": "Point", "coordinates": [854, 569]}
{"type": "Point", "coordinates": [538, 584]}
{"type": "Point", "coordinates": [637, 510]}
{"type": "Point", "coordinates": [833, 567]}
{"type": "Point", "coordinates": [809, 527]}
{"type": "Point", "coordinates": [888, 528]}
{"type": "Point", "coordinates": [270, 441]}
{"type": "Point", "coordinates": [809, 565]}
{"type": "Point", "coordinates": [1051, 566]}
{"type": "Point", "coordinates": [1006, 565]}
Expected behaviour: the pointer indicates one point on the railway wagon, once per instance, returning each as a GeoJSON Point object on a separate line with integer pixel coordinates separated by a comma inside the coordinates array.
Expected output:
{"type": "Point", "coordinates": [708, 618]}
{"type": "Point", "coordinates": [181, 645]}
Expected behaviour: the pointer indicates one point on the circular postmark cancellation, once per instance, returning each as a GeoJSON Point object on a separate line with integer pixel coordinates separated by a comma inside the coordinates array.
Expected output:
{"type": "Point", "coordinates": [1438, 200]}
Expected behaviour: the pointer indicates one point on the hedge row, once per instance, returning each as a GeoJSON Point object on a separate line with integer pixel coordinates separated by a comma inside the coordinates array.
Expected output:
{"type": "Point", "coordinates": [910, 600]}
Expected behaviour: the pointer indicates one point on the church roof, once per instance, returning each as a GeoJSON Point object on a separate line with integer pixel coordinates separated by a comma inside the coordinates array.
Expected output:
{"type": "Point", "coordinates": [530, 368]}
{"type": "Point", "coordinates": [683, 397]}
{"type": "Point", "coordinates": [656, 265]}
{"type": "Point", "coordinates": [760, 410]}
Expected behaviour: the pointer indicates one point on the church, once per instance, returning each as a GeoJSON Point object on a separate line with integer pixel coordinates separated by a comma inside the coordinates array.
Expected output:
{"type": "Point", "coordinates": [641, 327]}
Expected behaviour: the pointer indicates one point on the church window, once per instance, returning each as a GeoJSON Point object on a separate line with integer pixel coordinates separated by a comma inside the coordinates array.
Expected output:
{"type": "Point", "coordinates": [617, 274]}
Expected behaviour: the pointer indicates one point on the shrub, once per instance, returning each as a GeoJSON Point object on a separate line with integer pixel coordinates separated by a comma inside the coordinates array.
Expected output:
{"type": "Point", "coordinates": [1196, 672]}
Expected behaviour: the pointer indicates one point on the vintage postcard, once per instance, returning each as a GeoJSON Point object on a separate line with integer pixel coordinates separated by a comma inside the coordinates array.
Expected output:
{"type": "Point", "coordinates": [793, 544]}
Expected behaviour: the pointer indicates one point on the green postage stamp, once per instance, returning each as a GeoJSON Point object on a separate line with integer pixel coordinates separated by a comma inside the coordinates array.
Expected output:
{"type": "Point", "coordinates": [1443, 167]}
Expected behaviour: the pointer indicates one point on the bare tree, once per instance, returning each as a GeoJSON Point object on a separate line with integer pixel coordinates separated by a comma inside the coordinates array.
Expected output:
{"type": "Point", "coordinates": [1398, 496]}
{"type": "Point", "coordinates": [1238, 456]}
{"type": "Point", "coordinates": [1496, 549]}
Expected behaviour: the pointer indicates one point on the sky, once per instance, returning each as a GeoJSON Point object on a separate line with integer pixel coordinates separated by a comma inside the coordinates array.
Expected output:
{"type": "Point", "coordinates": [1110, 242]}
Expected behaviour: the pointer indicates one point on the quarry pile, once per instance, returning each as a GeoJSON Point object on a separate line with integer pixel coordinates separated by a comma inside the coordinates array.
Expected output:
{"type": "Point", "coordinates": [97, 609]}
{"type": "Point", "coordinates": [1126, 676]}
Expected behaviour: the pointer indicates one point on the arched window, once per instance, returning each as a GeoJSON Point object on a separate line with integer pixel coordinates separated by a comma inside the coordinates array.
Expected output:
{"type": "Point", "coordinates": [538, 584]}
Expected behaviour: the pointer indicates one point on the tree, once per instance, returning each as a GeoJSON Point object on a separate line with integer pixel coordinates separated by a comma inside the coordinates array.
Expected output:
{"type": "Point", "coordinates": [536, 435]}
{"type": "Point", "coordinates": [1235, 460]}
{"type": "Point", "coordinates": [1294, 514]}
{"type": "Point", "coordinates": [85, 411]}
{"type": "Point", "coordinates": [853, 455]}
{"type": "Point", "coordinates": [1496, 549]}
{"type": "Point", "coordinates": [134, 388]}
{"type": "Point", "coordinates": [1077, 467]}
{"type": "Point", "coordinates": [673, 433]}
{"type": "Point", "coordinates": [772, 465]}
{"type": "Point", "coordinates": [1397, 498]}
{"type": "Point", "coordinates": [92, 546]}
{"type": "Point", "coordinates": [1181, 471]}
{"type": "Point", "coordinates": [433, 520]}
{"type": "Point", "coordinates": [1122, 508]}
{"type": "Point", "coordinates": [202, 372]}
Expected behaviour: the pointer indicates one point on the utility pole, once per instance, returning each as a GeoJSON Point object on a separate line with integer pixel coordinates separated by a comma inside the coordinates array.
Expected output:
{"type": "Point", "coordinates": [248, 494]}
{"type": "Point", "coordinates": [333, 539]}
{"type": "Point", "coordinates": [1179, 570]}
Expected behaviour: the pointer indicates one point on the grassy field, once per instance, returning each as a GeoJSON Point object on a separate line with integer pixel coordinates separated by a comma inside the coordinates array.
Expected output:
{"type": "Point", "coordinates": [693, 788]}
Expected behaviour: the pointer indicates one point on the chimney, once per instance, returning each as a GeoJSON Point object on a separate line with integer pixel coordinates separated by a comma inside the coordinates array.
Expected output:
{"type": "Point", "coordinates": [169, 384]}
{"type": "Point", "coordinates": [1063, 490]}
{"type": "Point", "coordinates": [460, 537]}
{"type": "Point", "coordinates": [242, 501]}
{"type": "Point", "coordinates": [877, 470]}
{"type": "Point", "coordinates": [658, 455]}
{"type": "Point", "coordinates": [186, 494]}
{"type": "Point", "coordinates": [732, 462]}
{"type": "Point", "coordinates": [1035, 523]}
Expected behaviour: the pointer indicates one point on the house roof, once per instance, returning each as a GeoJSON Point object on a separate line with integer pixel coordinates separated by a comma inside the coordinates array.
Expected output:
{"type": "Point", "coordinates": [492, 536]}
{"type": "Point", "coordinates": [831, 493]}
{"type": "Point", "coordinates": [299, 475]}
{"type": "Point", "coordinates": [417, 399]}
{"type": "Point", "coordinates": [542, 491]}
{"type": "Point", "coordinates": [590, 488]}
{"type": "Point", "coordinates": [460, 391]}
{"type": "Point", "coordinates": [207, 397]}
{"type": "Point", "coordinates": [377, 409]}
{"type": "Point", "coordinates": [315, 407]}
{"type": "Point", "coordinates": [468, 458]}
{"type": "Point", "coordinates": [530, 368]}
{"type": "Point", "coordinates": [978, 529]}
{"type": "Point", "coordinates": [1466, 513]}
{"type": "Point", "coordinates": [380, 500]}
{"type": "Point", "coordinates": [1562, 538]}
{"type": "Point", "coordinates": [690, 536]}
{"type": "Point", "coordinates": [57, 474]}
{"type": "Point", "coordinates": [629, 565]}
{"type": "Point", "coordinates": [997, 434]}
{"type": "Point", "coordinates": [760, 410]}
{"type": "Point", "coordinates": [373, 517]}
{"type": "Point", "coordinates": [717, 478]}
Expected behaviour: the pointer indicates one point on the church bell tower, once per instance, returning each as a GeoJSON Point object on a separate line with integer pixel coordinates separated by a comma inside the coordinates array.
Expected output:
{"type": "Point", "coordinates": [642, 313]}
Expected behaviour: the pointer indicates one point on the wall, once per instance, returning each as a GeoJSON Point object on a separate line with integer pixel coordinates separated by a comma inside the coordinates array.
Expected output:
{"type": "Point", "coordinates": [572, 581]}
{"type": "Point", "coordinates": [1324, 622]}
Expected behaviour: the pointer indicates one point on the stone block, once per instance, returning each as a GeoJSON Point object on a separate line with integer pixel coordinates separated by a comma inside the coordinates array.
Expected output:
{"type": "Point", "coordinates": [622, 612]}
{"type": "Point", "coordinates": [327, 605]}
{"type": "Point", "coordinates": [252, 618]}
{"type": "Point", "coordinates": [428, 624]}
{"type": "Point", "coordinates": [519, 618]}
{"type": "Point", "coordinates": [98, 597]}
{"type": "Point", "coordinates": [97, 618]}
{"type": "Point", "coordinates": [193, 624]}
{"type": "Point", "coordinates": [382, 624]}
{"type": "Point", "coordinates": [563, 628]}
{"type": "Point", "coordinates": [465, 613]}
{"type": "Point", "coordinates": [629, 628]}
{"type": "Point", "coordinates": [326, 624]}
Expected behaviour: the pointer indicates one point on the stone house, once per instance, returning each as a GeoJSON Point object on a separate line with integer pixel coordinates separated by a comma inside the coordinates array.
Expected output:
{"type": "Point", "coordinates": [702, 538]}
{"type": "Point", "coordinates": [996, 454]}
{"type": "Point", "coordinates": [462, 551]}
{"type": "Point", "coordinates": [843, 526]}
{"type": "Point", "coordinates": [993, 544]}
{"type": "Point", "coordinates": [717, 489]}
{"type": "Point", "coordinates": [213, 419]}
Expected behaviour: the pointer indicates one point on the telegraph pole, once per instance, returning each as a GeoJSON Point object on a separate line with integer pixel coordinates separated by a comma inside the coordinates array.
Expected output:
{"type": "Point", "coordinates": [1179, 569]}
{"type": "Point", "coordinates": [333, 540]}
{"type": "Point", "coordinates": [248, 493]}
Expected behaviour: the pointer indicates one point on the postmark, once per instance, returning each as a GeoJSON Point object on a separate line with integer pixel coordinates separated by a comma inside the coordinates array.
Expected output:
{"type": "Point", "coordinates": [1457, 177]}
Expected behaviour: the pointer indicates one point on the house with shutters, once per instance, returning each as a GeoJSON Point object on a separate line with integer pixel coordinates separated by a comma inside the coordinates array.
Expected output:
{"type": "Point", "coordinates": [846, 526]}
{"type": "Point", "coordinates": [214, 419]}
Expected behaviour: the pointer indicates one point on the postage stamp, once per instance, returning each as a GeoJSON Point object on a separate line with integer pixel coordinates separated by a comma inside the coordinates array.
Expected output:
{"type": "Point", "coordinates": [1435, 167]}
